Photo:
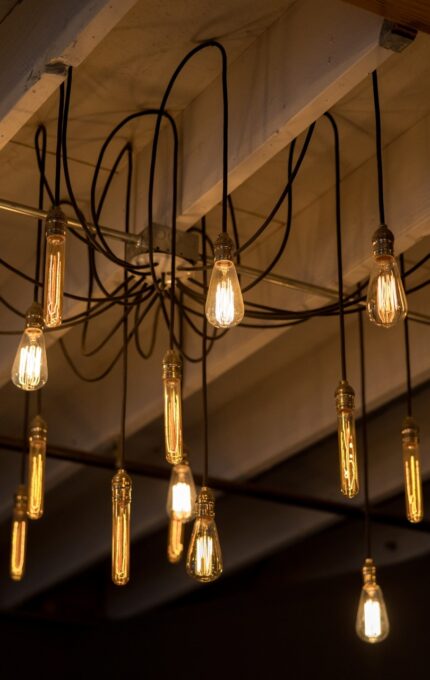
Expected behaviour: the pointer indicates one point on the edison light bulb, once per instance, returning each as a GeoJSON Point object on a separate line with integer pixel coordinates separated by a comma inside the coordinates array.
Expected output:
{"type": "Point", "coordinates": [204, 559]}
{"type": "Point", "coordinates": [175, 542]}
{"type": "Point", "coordinates": [372, 623]}
{"type": "Point", "coordinates": [19, 535]}
{"type": "Point", "coordinates": [386, 299]}
{"type": "Point", "coordinates": [36, 467]}
{"type": "Point", "coordinates": [172, 375]}
{"type": "Point", "coordinates": [224, 302]}
{"type": "Point", "coordinates": [121, 506]}
{"type": "Point", "coordinates": [412, 470]}
{"type": "Point", "coordinates": [30, 366]}
{"type": "Point", "coordinates": [346, 436]}
{"type": "Point", "coordinates": [181, 498]}
{"type": "Point", "coordinates": [55, 233]}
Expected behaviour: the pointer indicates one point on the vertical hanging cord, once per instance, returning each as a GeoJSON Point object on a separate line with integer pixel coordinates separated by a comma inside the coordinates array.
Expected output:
{"type": "Point", "coordinates": [224, 142]}
{"type": "Point", "coordinates": [378, 137]}
{"type": "Point", "coordinates": [24, 437]}
{"type": "Point", "coordinates": [59, 142]}
{"type": "Point", "coordinates": [39, 222]}
{"type": "Point", "coordinates": [204, 362]}
{"type": "Point", "coordinates": [173, 246]}
{"type": "Point", "coordinates": [367, 527]}
{"type": "Point", "coordinates": [407, 348]}
{"type": "Point", "coordinates": [339, 246]}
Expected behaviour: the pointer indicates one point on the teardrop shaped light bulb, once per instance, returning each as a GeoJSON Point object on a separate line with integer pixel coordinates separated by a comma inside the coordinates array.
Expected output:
{"type": "Point", "coordinates": [36, 467]}
{"type": "Point", "coordinates": [224, 302]}
{"type": "Point", "coordinates": [348, 463]}
{"type": "Point", "coordinates": [181, 497]}
{"type": "Point", "coordinates": [412, 470]}
{"type": "Point", "coordinates": [30, 367]}
{"type": "Point", "coordinates": [172, 375]}
{"type": "Point", "coordinates": [204, 558]}
{"type": "Point", "coordinates": [175, 541]}
{"type": "Point", "coordinates": [372, 623]}
{"type": "Point", "coordinates": [55, 260]}
{"type": "Point", "coordinates": [19, 535]}
{"type": "Point", "coordinates": [121, 512]}
{"type": "Point", "coordinates": [386, 299]}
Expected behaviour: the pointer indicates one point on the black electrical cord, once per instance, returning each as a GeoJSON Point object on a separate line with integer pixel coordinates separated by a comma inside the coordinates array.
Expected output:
{"type": "Point", "coordinates": [204, 369]}
{"type": "Point", "coordinates": [39, 222]}
{"type": "Point", "coordinates": [365, 442]}
{"type": "Point", "coordinates": [407, 348]}
{"type": "Point", "coordinates": [23, 467]}
{"type": "Point", "coordinates": [378, 137]}
{"type": "Point", "coordinates": [61, 113]}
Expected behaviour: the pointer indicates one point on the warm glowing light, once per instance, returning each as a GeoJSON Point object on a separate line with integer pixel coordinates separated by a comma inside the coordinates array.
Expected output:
{"type": "Point", "coordinates": [349, 483]}
{"type": "Point", "coordinates": [19, 535]}
{"type": "Point", "coordinates": [36, 467]}
{"type": "Point", "coordinates": [204, 552]}
{"type": "Point", "coordinates": [55, 231]}
{"type": "Point", "coordinates": [30, 367]}
{"type": "Point", "coordinates": [224, 302]}
{"type": "Point", "coordinates": [175, 543]}
{"type": "Point", "coordinates": [121, 510]}
{"type": "Point", "coordinates": [181, 497]}
{"type": "Point", "coordinates": [386, 299]}
{"type": "Point", "coordinates": [412, 471]}
{"type": "Point", "coordinates": [172, 374]}
{"type": "Point", "coordinates": [372, 623]}
{"type": "Point", "coordinates": [204, 558]}
{"type": "Point", "coordinates": [372, 619]}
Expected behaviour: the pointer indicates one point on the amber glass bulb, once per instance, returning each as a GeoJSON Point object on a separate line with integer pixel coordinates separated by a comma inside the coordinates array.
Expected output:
{"type": "Point", "coordinates": [30, 366]}
{"type": "Point", "coordinates": [372, 623]}
{"type": "Point", "coordinates": [204, 558]}
{"type": "Point", "coordinates": [36, 467]}
{"type": "Point", "coordinates": [55, 233]}
{"type": "Point", "coordinates": [175, 542]}
{"type": "Point", "coordinates": [172, 375]}
{"type": "Point", "coordinates": [386, 299]}
{"type": "Point", "coordinates": [181, 498]}
{"type": "Point", "coordinates": [347, 441]}
{"type": "Point", "coordinates": [412, 470]}
{"type": "Point", "coordinates": [121, 510]}
{"type": "Point", "coordinates": [224, 302]}
{"type": "Point", "coordinates": [19, 535]}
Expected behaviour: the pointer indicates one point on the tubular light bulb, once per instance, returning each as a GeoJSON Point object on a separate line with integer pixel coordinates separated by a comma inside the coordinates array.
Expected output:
{"type": "Point", "coordinates": [172, 375]}
{"type": "Point", "coordinates": [30, 366]}
{"type": "Point", "coordinates": [181, 498]}
{"type": "Point", "coordinates": [36, 467]}
{"type": "Point", "coordinates": [224, 302]}
{"type": "Point", "coordinates": [19, 534]}
{"type": "Point", "coordinates": [372, 623]}
{"type": "Point", "coordinates": [347, 443]}
{"type": "Point", "coordinates": [55, 234]}
{"type": "Point", "coordinates": [175, 543]}
{"type": "Point", "coordinates": [121, 507]}
{"type": "Point", "coordinates": [386, 299]}
{"type": "Point", "coordinates": [412, 470]}
{"type": "Point", "coordinates": [204, 558]}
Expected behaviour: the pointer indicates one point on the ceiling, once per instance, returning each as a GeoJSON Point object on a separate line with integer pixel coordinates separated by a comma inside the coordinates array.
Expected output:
{"type": "Point", "coordinates": [271, 392]}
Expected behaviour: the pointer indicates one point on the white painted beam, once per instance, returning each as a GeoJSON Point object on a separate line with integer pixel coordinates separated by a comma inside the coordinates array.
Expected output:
{"type": "Point", "coordinates": [37, 35]}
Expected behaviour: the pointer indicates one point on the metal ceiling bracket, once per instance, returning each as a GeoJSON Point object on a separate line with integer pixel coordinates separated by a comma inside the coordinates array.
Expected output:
{"type": "Point", "coordinates": [396, 37]}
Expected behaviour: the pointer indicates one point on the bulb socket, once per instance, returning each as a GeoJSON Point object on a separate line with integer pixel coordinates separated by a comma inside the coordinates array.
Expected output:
{"type": "Point", "coordinates": [223, 249]}
{"type": "Point", "coordinates": [20, 503]}
{"type": "Point", "coordinates": [369, 571]}
{"type": "Point", "coordinates": [172, 365]}
{"type": "Point", "coordinates": [383, 242]}
{"type": "Point", "coordinates": [38, 430]}
{"type": "Point", "coordinates": [121, 487]}
{"type": "Point", "coordinates": [410, 431]}
{"type": "Point", "coordinates": [205, 503]}
{"type": "Point", "coordinates": [34, 316]}
{"type": "Point", "coordinates": [56, 222]}
{"type": "Point", "coordinates": [345, 396]}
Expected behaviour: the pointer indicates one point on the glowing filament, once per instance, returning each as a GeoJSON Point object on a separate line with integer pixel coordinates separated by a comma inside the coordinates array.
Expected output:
{"type": "Point", "coordinates": [387, 302]}
{"type": "Point", "coordinates": [17, 558]}
{"type": "Point", "coordinates": [36, 479]}
{"type": "Point", "coordinates": [372, 619]}
{"type": "Point", "coordinates": [175, 545]}
{"type": "Point", "coordinates": [181, 500]}
{"type": "Point", "coordinates": [204, 552]}
{"type": "Point", "coordinates": [347, 455]}
{"type": "Point", "coordinates": [121, 510]}
{"type": "Point", "coordinates": [30, 366]}
{"type": "Point", "coordinates": [54, 280]}
{"type": "Point", "coordinates": [173, 420]}
{"type": "Point", "coordinates": [224, 301]}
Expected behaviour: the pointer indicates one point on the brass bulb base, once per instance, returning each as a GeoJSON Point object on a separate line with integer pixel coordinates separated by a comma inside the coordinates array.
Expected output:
{"type": "Point", "coordinates": [383, 242]}
{"type": "Point", "coordinates": [121, 487]}
{"type": "Point", "coordinates": [345, 396]}
{"type": "Point", "coordinates": [172, 365]}
{"type": "Point", "coordinates": [56, 222]}
{"type": "Point", "coordinates": [369, 572]}
{"type": "Point", "coordinates": [34, 316]}
{"type": "Point", "coordinates": [38, 430]}
{"type": "Point", "coordinates": [20, 503]}
{"type": "Point", "coordinates": [205, 503]}
{"type": "Point", "coordinates": [223, 249]}
{"type": "Point", "coordinates": [410, 430]}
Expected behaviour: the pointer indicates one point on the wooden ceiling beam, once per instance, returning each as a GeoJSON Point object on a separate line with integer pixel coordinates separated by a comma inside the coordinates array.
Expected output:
{"type": "Point", "coordinates": [414, 13]}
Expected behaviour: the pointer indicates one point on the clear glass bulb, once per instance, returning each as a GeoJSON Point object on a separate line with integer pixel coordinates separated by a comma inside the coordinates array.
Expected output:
{"type": "Point", "coordinates": [204, 558]}
{"type": "Point", "coordinates": [181, 497]}
{"type": "Point", "coordinates": [386, 299]}
{"type": "Point", "coordinates": [55, 260]}
{"type": "Point", "coordinates": [121, 511]}
{"type": "Point", "coordinates": [175, 542]}
{"type": "Point", "coordinates": [349, 484]}
{"type": "Point", "coordinates": [30, 366]}
{"type": "Point", "coordinates": [412, 470]}
{"type": "Point", "coordinates": [172, 375]}
{"type": "Point", "coordinates": [36, 467]}
{"type": "Point", "coordinates": [19, 535]}
{"type": "Point", "coordinates": [224, 302]}
{"type": "Point", "coordinates": [372, 623]}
